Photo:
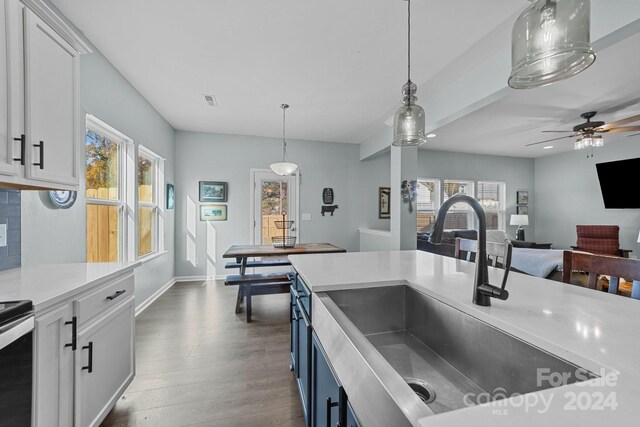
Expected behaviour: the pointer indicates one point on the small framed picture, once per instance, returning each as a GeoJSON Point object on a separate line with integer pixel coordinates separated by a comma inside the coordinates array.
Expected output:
{"type": "Point", "coordinates": [213, 212]}
{"type": "Point", "coordinates": [211, 191]}
{"type": "Point", "coordinates": [523, 197]}
{"type": "Point", "coordinates": [171, 196]}
{"type": "Point", "coordinates": [384, 202]}
{"type": "Point", "coordinates": [522, 210]}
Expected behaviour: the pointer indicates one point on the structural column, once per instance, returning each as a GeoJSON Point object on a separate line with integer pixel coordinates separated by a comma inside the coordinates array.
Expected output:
{"type": "Point", "coordinates": [404, 166]}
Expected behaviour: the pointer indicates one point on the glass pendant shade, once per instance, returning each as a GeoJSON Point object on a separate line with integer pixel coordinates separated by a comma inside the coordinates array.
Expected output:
{"type": "Point", "coordinates": [550, 42]}
{"type": "Point", "coordinates": [408, 126]}
{"type": "Point", "coordinates": [284, 168]}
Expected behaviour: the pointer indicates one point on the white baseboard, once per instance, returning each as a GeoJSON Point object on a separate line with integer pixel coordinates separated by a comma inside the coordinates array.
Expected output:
{"type": "Point", "coordinates": [140, 308]}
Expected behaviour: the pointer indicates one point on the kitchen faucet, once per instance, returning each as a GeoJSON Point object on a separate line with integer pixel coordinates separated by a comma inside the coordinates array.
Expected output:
{"type": "Point", "coordinates": [482, 290]}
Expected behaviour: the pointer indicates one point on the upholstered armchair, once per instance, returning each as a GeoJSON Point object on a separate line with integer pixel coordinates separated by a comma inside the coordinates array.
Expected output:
{"type": "Point", "coordinates": [600, 239]}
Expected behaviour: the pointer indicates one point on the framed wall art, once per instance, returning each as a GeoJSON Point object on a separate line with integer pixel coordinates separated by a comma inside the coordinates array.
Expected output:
{"type": "Point", "coordinates": [522, 210]}
{"type": "Point", "coordinates": [523, 197]}
{"type": "Point", "coordinates": [171, 196]}
{"type": "Point", "coordinates": [384, 202]}
{"type": "Point", "coordinates": [212, 191]}
{"type": "Point", "coordinates": [213, 212]}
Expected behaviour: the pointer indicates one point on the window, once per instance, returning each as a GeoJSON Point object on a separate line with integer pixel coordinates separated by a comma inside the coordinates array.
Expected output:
{"type": "Point", "coordinates": [428, 203]}
{"type": "Point", "coordinates": [491, 196]}
{"type": "Point", "coordinates": [460, 215]}
{"type": "Point", "coordinates": [149, 206]}
{"type": "Point", "coordinates": [104, 149]}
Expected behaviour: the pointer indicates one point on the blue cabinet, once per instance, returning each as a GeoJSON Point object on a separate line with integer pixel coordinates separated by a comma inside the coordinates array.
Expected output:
{"type": "Point", "coordinates": [301, 349]}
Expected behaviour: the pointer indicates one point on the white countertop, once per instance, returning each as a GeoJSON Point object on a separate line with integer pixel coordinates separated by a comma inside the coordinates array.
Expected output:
{"type": "Point", "coordinates": [592, 329]}
{"type": "Point", "coordinates": [49, 284]}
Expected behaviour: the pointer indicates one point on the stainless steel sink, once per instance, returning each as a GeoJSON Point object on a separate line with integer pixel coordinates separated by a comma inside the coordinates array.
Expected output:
{"type": "Point", "coordinates": [455, 354]}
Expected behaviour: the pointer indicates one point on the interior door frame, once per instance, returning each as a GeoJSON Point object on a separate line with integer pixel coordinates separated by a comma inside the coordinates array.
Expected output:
{"type": "Point", "coordinates": [252, 204]}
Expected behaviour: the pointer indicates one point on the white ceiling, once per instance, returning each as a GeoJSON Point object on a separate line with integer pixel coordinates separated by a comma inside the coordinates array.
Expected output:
{"type": "Point", "coordinates": [339, 64]}
{"type": "Point", "coordinates": [611, 86]}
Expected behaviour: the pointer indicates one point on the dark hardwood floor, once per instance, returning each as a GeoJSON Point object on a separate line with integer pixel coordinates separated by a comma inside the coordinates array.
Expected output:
{"type": "Point", "coordinates": [198, 363]}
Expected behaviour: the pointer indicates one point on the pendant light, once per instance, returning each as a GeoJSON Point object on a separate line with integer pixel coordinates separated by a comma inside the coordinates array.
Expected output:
{"type": "Point", "coordinates": [408, 122]}
{"type": "Point", "coordinates": [550, 42]}
{"type": "Point", "coordinates": [284, 167]}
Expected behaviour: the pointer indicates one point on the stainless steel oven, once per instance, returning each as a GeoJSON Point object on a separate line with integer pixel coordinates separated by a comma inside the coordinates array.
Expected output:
{"type": "Point", "coordinates": [16, 363]}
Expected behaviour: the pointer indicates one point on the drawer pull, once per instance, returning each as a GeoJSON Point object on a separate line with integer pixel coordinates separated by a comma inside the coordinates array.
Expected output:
{"type": "Point", "coordinates": [89, 367]}
{"type": "Point", "coordinates": [330, 405]}
{"type": "Point", "coordinates": [41, 147]}
{"type": "Point", "coordinates": [116, 295]}
{"type": "Point", "coordinates": [74, 333]}
{"type": "Point", "coordinates": [22, 146]}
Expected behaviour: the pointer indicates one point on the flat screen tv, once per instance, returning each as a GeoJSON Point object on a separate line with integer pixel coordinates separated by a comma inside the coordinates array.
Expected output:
{"type": "Point", "coordinates": [616, 191]}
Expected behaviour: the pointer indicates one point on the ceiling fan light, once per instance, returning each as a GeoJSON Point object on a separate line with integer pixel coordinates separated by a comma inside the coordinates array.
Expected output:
{"type": "Point", "coordinates": [579, 144]}
{"type": "Point", "coordinates": [597, 141]}
{"type": "Point", "coordinates": [550, 42]}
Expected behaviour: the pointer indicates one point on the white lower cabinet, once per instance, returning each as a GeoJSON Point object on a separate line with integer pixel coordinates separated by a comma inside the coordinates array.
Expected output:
{"type": "Point", "coordinates": [105, 363]}
{"type": "Point", "coordinates": [53, 362]}
{"type": "Point", "coordinates": [84, 355]}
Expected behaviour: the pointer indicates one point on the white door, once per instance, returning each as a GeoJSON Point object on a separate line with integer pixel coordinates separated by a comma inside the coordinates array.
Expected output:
{"type": "Point", "coordinates": [51, 69]}
{"type": "Point", "coordinates": [11, 94]}
{"type": "Point", "coordinates": [54, 368]}
{"type": "Point", "coordinates": [273, 195]}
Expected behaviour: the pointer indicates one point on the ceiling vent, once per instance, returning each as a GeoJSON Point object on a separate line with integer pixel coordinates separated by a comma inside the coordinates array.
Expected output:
{"type": "Point", "coordinates": [211, 100]}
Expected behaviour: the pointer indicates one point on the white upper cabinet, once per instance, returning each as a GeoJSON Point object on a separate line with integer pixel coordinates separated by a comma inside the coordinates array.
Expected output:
{"type": "Point", "coordinates": [39, 97]}
{"type": "Point", "coordinates": [50, 75]}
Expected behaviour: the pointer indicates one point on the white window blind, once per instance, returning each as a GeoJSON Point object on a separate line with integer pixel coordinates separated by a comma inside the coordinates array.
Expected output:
{"type": "Point", "coordinates": [428, 203]}
{"type": "Point", "coordinates": [492, 197]}
{"type": "Point", "coordinates": [460, 215]}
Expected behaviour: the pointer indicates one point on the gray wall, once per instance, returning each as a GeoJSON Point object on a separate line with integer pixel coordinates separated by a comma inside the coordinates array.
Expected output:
{"type": "Point", "coordinates": [217, 157]}
{"type": "Point", "coordinates": [567, 193]}
{"type": "Point", "coordinates": [518, 173]}
{"type": "Point", "coordinates": [58, 236]}
{"type": "Point", "coordinates": [10, 216]}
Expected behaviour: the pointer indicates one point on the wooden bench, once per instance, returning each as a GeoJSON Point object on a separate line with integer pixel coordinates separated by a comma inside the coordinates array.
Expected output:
{"type": "Point", "coordinates": [258, 284]}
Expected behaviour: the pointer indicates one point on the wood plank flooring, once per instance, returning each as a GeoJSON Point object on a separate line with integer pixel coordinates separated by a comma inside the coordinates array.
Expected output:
{"type": "Point", "coordinates": [198, 363]}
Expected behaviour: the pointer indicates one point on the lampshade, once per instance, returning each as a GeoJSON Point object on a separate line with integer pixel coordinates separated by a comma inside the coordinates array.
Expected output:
{"type": "Point", "coordinates": [638, 237]}
{"type": "Point", "coordinates": [550, 42]}
{"type": "Point", "coordinates": [284, 167]}
{"type": "Point", "coordinates": [519, 220]}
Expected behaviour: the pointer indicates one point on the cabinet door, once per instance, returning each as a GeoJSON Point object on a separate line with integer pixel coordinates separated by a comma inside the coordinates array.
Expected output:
{"type": "Point", "coordinates": [50, 86]}
{"type": "Point", "coordinates": [104, 364]}
{"type": "Point", "coordinates": [325, 389]}
{"type": "Point", "coordinates": [11, 84]}
{"type": "Point", "coordinates": [53, 360]}
{"type": "Point", "coordinates": [294, 316]}
{"type": "Point", "coordinates": [304, 360]}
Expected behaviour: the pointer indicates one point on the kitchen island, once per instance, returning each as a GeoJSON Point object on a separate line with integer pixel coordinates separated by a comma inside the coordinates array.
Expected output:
{"type": "Point", "coordinates": [592, 330]}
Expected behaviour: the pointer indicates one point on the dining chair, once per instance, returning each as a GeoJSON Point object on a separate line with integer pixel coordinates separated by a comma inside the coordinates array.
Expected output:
{"type": "Point", "coordinates": [599, 265]}
{"type": "Point", "coordinates": [498, 254]}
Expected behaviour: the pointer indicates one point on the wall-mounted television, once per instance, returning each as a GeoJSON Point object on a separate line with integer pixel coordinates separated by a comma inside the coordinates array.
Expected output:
{"type": "Point", "coordinates": [617, 191]}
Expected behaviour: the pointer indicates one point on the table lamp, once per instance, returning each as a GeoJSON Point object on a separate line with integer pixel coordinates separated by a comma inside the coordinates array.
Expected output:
{"type": "Point", "coordinates": [520, 220]}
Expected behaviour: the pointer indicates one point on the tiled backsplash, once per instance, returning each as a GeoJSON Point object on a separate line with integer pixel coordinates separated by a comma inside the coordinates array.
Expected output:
{"type": "Point", "coordinates": [10, 215]}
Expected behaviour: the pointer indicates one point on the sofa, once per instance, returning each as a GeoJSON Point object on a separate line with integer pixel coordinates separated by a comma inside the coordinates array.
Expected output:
{"type": "Point", "coordinates": [447, 247]}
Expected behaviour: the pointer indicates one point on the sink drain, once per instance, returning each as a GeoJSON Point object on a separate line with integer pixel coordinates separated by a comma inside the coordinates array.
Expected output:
{"type": "Point", "coordinates": [425, 392]}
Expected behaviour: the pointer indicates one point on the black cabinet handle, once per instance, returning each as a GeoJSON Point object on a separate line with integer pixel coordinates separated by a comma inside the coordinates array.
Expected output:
{"type": "Point", "coordinates": [74, 333]}
{"type": "Point", "coordinates": [89, 367]}
{"type": "Point", "coordinates": [342, 407]}
{"type": "Point", "coordinates": [22, 147]}
{"type": "Point", "coordinates": [330, 405]}
{"type": "Point", "coordinates": [116, 295]}
{"type": "Point", "coordinates": [41, 162]}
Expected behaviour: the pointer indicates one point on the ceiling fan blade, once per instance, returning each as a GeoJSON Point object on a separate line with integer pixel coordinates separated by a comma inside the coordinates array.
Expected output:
{"type": "Point", "coordinates": [633, 134]}
{"type": "Point", "coordinates": [624, 129]}
{"type": "Point", "coordinates": [549, 140]}
{"type": "Point", "coordinates": [557, 131]}
{"type": "Point", "coordinates": [620, 122]}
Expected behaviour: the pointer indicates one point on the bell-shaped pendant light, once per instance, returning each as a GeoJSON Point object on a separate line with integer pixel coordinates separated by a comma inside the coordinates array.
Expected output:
{"type": "Point", "coordinates": [408, 122]}
{"type": "Point", "coordinates": [284, 167]}
{"type": "Point", "coordinates": [550, 42]}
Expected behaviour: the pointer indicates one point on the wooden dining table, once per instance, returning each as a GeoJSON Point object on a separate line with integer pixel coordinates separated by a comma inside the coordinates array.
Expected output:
{"type": "Point", "coordinates": [243, 252]}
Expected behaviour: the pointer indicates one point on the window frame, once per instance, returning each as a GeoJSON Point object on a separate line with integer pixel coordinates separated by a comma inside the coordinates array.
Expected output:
{"type": "Point", "coordinates": [157, 203]}
{"type": "Point", "coordinates": [471, 219]}
{"type": "Point", "coordinates": [502, 198]}
{"type": "Point", "coordinates": [438, 199]}
{"type": "Point", "coordinates": [125, 145]}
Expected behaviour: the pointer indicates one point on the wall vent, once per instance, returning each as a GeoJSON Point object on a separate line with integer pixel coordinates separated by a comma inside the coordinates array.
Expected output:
{"type": "Point", "coordinates": [211, 100]}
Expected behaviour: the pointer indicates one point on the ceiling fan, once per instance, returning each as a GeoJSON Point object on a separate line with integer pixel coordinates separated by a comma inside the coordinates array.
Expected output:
{"type": "Point", "coordinates": [587, 132]}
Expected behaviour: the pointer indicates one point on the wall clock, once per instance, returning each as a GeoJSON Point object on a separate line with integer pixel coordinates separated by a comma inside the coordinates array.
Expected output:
{"type": "Point", "coordinates": [63, 199]}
